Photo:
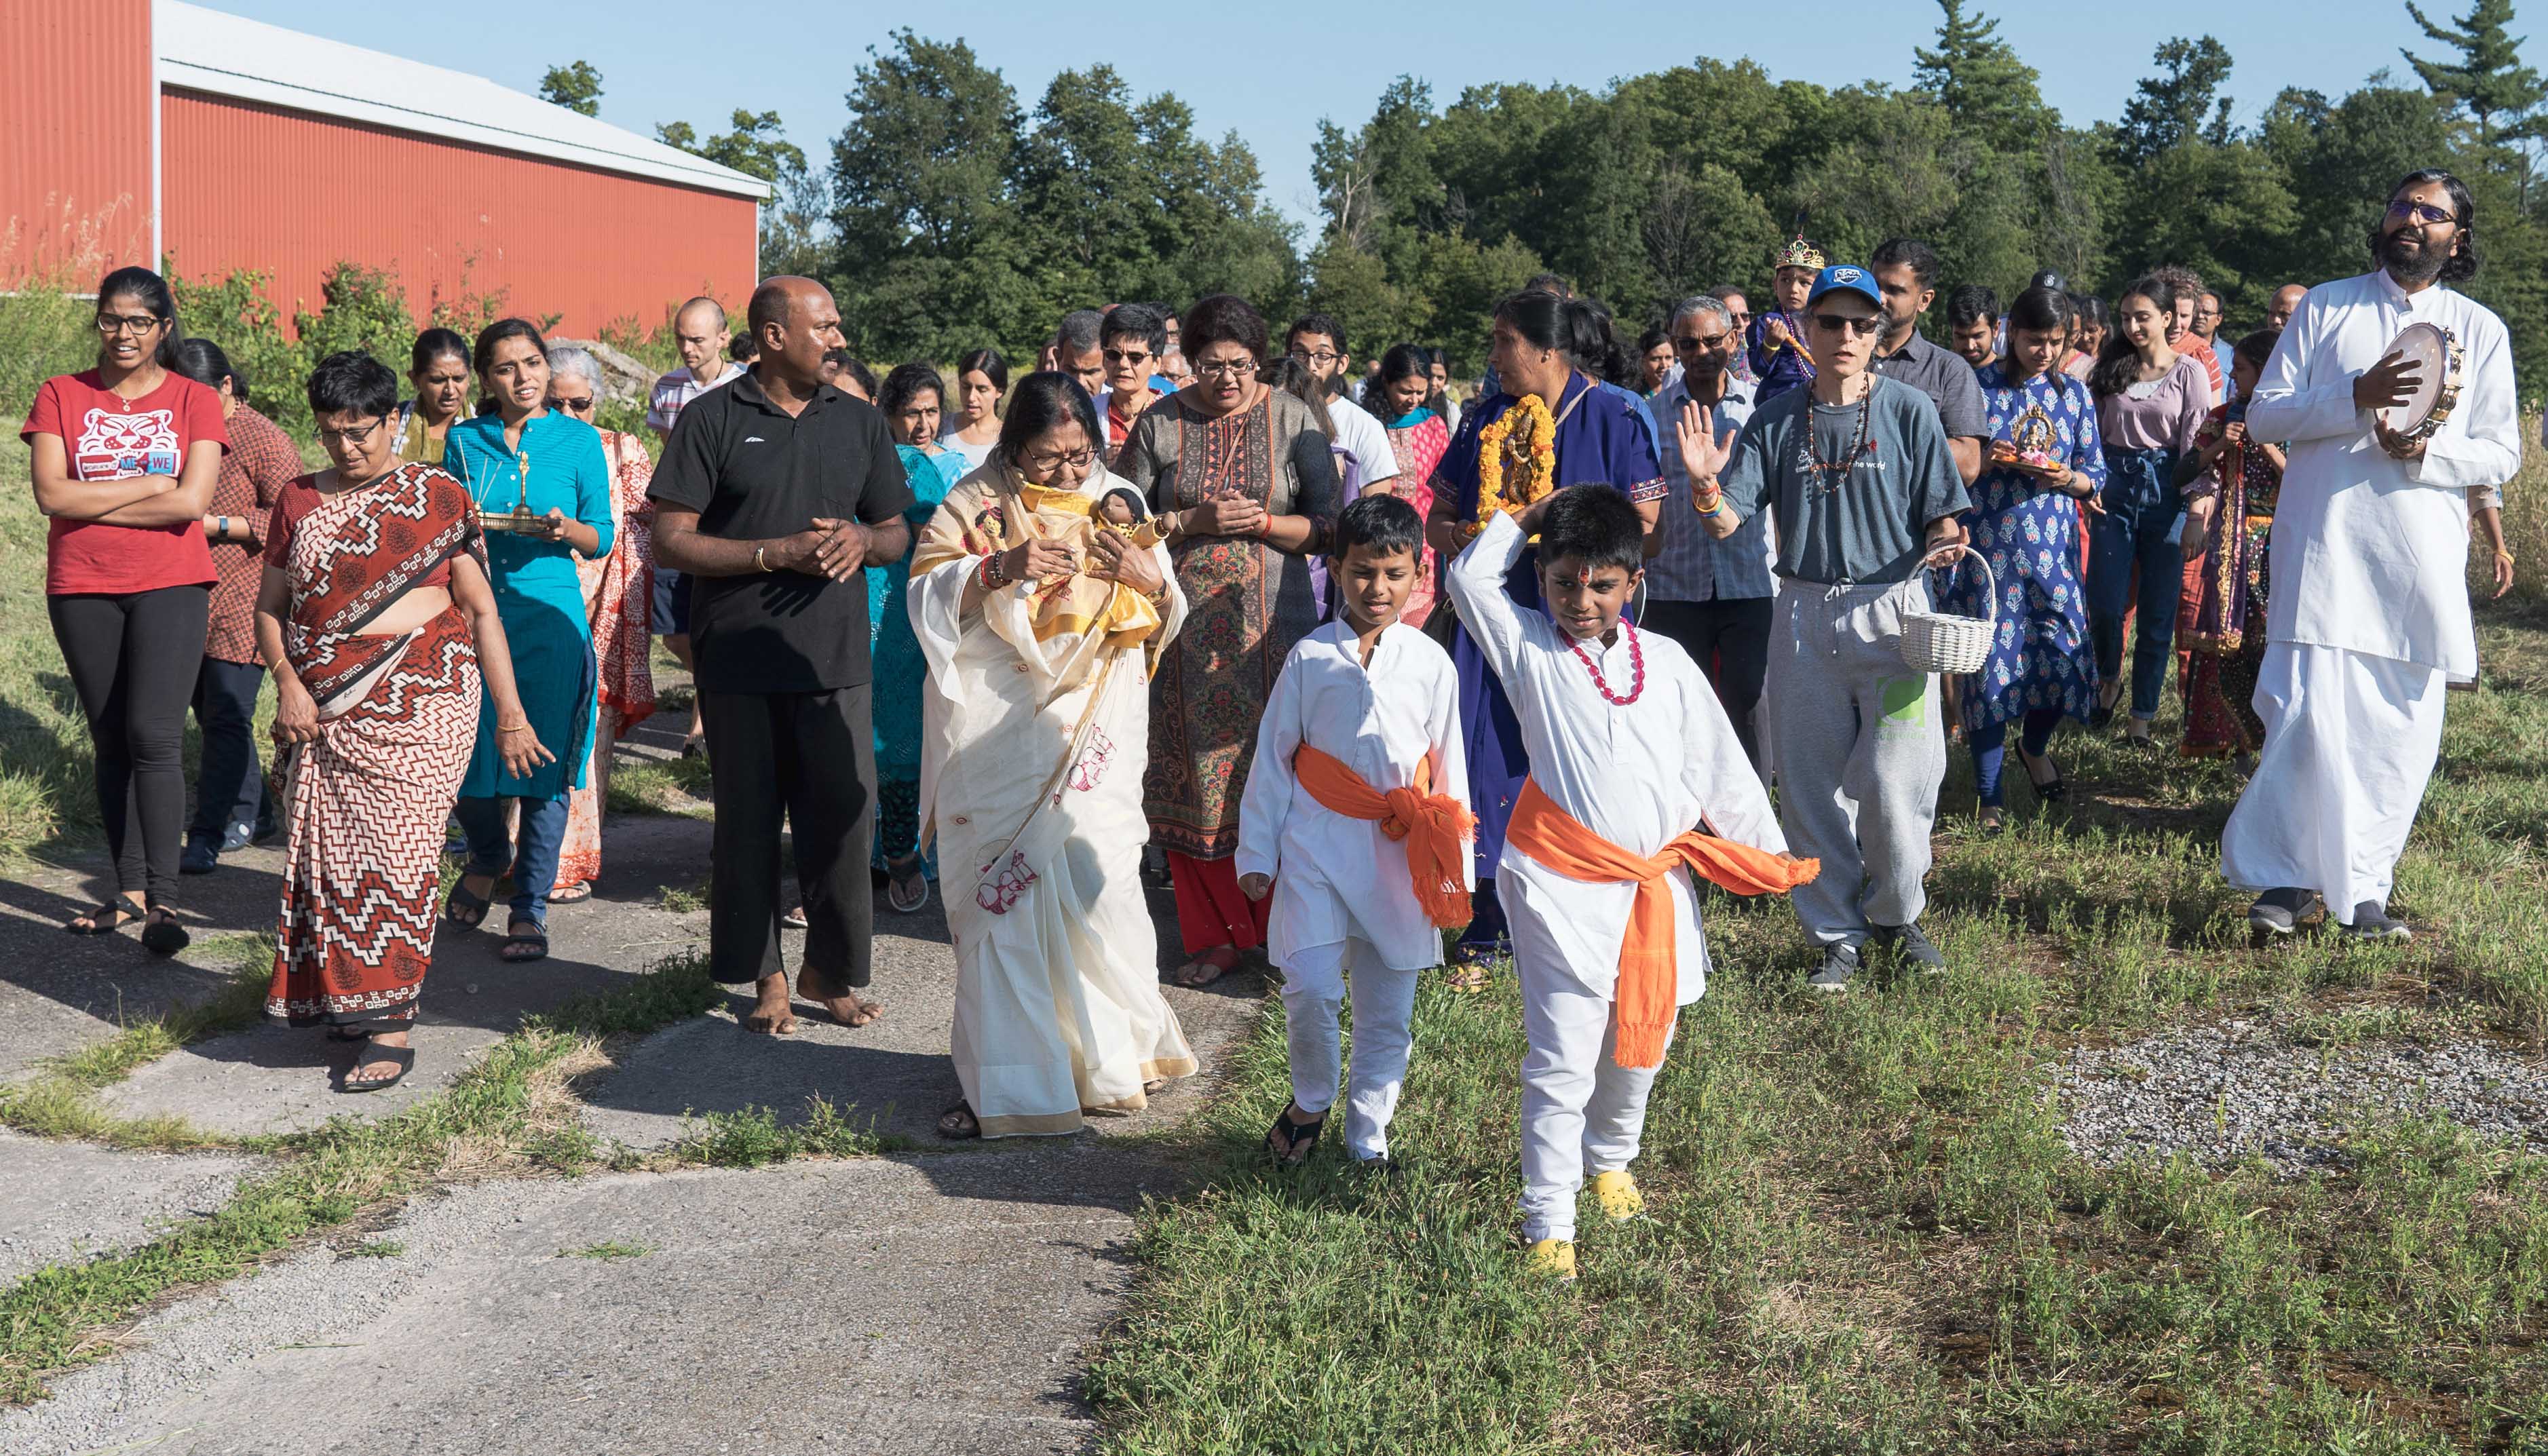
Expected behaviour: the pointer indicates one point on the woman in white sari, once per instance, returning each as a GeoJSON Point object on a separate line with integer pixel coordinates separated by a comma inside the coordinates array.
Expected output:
{"type": "Point", "coordinates": [1042, 601]}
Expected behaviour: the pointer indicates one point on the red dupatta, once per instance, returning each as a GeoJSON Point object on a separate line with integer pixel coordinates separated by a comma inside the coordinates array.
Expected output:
{"type": "Point", "coordinates": [355, 555]}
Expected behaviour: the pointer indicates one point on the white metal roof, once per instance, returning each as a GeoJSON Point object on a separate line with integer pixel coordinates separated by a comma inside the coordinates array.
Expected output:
{"type": "Point", "coordinates": [208, 51]}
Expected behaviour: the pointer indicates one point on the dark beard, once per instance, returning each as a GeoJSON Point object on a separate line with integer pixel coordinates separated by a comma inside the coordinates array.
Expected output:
{"type": "Point", "coordinates": [2422, 265]}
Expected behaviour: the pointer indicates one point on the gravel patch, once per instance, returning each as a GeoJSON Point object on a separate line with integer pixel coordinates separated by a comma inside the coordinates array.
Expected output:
{"type": "Point", "coordinates": [2227, 1091]}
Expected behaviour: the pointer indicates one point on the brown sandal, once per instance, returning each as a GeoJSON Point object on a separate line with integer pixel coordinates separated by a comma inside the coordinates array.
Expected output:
{"type": "Point", "coordinates": [957, 1124]}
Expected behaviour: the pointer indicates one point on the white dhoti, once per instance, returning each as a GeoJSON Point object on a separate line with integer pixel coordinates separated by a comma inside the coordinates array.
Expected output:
{"type": "Point", "coordinates": [2350, 741]}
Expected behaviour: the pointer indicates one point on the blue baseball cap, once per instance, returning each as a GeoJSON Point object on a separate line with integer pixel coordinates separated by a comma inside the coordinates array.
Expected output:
{"type": "Point", "coordinates": [1846, 278]}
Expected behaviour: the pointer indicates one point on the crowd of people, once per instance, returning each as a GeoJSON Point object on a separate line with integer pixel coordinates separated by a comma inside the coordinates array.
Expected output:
{"type": "Point", "coordinates": [1352, 662]}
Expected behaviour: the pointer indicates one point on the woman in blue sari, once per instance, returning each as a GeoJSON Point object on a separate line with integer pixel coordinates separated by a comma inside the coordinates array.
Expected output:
{"type": "Point", "coordinates": [2044, 458]}
{"type": "Point", "coordinates": [911, 398]}
{"type": "Point", "coordinates": [542, 478]}
{"type": "Point", "coordinates": [1541, 343]}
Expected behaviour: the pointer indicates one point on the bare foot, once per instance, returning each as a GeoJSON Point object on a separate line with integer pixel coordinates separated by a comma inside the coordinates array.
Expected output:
{"type": "Point", "coordinates": [1209, 966]}
{"type": "Point", "coordinates": [770, 1015]}
{"type": "Point", "coordinates": [838, 1002]}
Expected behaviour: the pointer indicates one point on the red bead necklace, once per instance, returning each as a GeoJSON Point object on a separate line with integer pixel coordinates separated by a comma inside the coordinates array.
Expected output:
{"type": "Point", "coordinates": [1636, 667]}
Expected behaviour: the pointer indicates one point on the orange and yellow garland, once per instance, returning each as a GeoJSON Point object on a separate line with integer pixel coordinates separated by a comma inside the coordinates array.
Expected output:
{"type": "Point", "coordinates": [1536, 451]}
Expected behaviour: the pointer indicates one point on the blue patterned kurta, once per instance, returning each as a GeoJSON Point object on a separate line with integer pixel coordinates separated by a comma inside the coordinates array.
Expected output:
{"type": "Point", "coordinates": [2040, 657]}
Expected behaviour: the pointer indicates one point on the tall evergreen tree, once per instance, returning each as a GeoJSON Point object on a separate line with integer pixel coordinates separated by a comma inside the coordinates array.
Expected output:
{"type": "Point", "coordinates": [1976, 76]}
{"type": "Point", "coordinates": [2502, 95]}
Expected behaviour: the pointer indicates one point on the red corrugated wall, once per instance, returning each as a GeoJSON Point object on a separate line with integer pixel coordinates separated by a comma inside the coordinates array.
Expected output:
{"type": "Point", "coordinates": [288, 194]}
{"type": "Point", "coordinates": [75, 114]}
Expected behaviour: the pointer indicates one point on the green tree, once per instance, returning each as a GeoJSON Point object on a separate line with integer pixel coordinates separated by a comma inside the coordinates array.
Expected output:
{"type": "Point", "coordinates": [1976, 76]}
{"type": "Point", "coordinates": [576, 86]}
{"type": "Point", "coordinates": [2502, 95]}
{"type": "Point", "coordinates": [927, 257]}
{"type": "Point", "coordinates": [2174, 106]}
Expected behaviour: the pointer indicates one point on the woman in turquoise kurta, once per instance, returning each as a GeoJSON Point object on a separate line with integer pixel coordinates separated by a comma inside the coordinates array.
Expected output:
{"type": "Point", "coordinates": [911, 400]}
{"type": "Point", "coordinates": [525, 456]}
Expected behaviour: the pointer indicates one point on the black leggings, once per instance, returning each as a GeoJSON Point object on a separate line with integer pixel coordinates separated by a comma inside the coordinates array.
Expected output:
{"type": "Point", "coordinates": [133, 659]}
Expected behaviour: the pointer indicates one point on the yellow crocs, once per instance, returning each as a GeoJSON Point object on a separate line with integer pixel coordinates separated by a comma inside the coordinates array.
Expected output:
{"type": "Point", "coordinates": [1617, 1192]}
{"type": "Point", "coordinates": [1552, 1258]}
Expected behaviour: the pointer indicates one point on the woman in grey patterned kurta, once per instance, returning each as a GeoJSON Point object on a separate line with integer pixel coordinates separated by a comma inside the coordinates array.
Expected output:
{"type": "Point", "coordinates": [1250, 490]}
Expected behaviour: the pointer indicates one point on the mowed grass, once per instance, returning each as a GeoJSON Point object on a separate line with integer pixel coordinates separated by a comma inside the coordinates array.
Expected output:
{"type": "Point", "coordinates": [1865, 1233]}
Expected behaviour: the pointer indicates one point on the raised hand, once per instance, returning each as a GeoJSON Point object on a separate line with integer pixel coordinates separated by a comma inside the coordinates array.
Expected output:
{"type": "Point", "coordinates": [1701, 457]}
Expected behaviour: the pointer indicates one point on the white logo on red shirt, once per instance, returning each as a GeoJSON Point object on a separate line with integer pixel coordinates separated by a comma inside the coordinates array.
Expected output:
{"type": "Point", "coordinates": [114, 445]}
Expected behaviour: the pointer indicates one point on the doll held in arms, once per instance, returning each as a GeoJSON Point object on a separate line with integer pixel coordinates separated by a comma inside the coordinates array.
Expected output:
{"type": "Point", "coordinates": [1356, 822]}
{"type": "Point", "coordinates": [1635, 773]}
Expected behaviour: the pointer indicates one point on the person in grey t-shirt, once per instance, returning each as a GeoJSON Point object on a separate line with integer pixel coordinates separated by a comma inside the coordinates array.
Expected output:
{"type": "Point", "coordinates": [1856, 472]}
{"type": "Point", "coordinates": [1906, 271]}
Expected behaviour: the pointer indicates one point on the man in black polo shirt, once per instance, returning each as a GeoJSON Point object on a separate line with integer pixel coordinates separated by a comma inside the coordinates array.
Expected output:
{"type": "Point", "coordinates": [1907, 272]}
{"type": "Point", "coordinates": [776, 493]}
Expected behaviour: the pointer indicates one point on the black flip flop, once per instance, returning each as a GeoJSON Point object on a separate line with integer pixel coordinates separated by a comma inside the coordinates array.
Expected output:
{"type": "Point", "coordinates": [348, 1033]}
{"type": "Point", "coordinates": [1291, 1142]}
{"type": "Point", "coordinates": [537, 940]}
{"type": "Point", "coordinates": [404, 1057]}
{"type": "Point", "coordinates": [164, 937]}
{"type": "Point", "coordinates": [464, 909]}
{"type": "Point", "coordinates": [573, 894]}
{"type": "Point", "coordinates": [123, 908]}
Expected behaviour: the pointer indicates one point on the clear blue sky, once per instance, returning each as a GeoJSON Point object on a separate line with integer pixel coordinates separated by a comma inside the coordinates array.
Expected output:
{"type": "Point", "coordinates": [1270, 71]}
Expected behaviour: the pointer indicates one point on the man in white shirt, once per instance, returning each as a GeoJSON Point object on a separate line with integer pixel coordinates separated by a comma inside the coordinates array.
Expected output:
{"type": "Point", "coordinates": [700, 331]}
{"type": "Point", "coordinates": [1318, 341]}
{"type": "Point", "coordinates": [2369, 616]}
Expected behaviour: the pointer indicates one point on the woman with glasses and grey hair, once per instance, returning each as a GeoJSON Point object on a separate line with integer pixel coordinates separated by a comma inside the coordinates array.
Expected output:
{"type": "Point", "coordinates": [618, 590]}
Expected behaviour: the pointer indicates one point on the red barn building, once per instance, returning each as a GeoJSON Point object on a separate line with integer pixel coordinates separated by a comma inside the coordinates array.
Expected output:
{"type": "Point", "coordinates": [135, 131]}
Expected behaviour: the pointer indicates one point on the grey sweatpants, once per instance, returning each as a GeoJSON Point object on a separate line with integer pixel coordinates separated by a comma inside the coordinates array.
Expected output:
{"type": "Point", "coordinates": [1853, 737]}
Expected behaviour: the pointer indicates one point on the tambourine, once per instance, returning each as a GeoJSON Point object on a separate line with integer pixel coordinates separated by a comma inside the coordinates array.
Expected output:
{"type": "Point", "coordinates": [2438, 360]}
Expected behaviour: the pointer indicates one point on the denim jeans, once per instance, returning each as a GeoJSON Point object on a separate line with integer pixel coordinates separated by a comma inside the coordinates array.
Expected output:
{"type": "Point", "coordinates": [2144, 517]}
{"type": "Point", "coordinates": [229, 783]}
{"type": "Point", "coordinates": [1989, 743]}
{"type": "Point", "coordinates": [534, 867]}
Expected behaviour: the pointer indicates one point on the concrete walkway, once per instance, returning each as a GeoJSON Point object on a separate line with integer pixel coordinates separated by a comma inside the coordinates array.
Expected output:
{"type": "Point", "coordinates": [935, 1302]}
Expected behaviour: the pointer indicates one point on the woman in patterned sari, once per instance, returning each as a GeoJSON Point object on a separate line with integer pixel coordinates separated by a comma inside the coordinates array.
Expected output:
{"type": "Point", "coordinates": [1244, 482]}
{"type": "Point", "coordinates": [1401, 393]}
{"type": "Point", "coordinates": [1543, 345]}
{"type": "Point", "coordinates": [376, 619]}
{"type": "Point", "coordinates": [2228, 522]}
{"type": "Point", "coordinates": [2044, 458]}
{"type": "Point", "coordinates": [618, 603]}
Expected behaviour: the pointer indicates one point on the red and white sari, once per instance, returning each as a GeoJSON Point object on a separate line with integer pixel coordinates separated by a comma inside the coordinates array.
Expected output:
{"type": "Point", "coordinates": [398, 718]}
{"type": "Point", "coordinates": [618, 591]}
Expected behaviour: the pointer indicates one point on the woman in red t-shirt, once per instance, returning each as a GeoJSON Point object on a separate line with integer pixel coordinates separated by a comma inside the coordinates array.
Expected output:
{"type": "Point", "coordinates": [127, 455]}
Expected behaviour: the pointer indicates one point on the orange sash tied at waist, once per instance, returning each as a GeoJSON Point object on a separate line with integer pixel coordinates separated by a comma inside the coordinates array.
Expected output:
{"type": "Point", "coordinates": [1435, 826]}
{"type": "Point", "coordinates": [1649, 965]}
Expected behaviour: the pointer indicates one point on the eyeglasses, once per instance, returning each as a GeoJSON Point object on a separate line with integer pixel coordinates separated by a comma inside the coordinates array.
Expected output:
{"type": "Point", "coordinates": [1695, 344]}
{"type": "Point", "coordinates": [1868, 326]}
{"type": "Point", "coordinates": [1131, 358]}
{"type": "Point", "coordinates": [572, 407]}
{"type": "Point", "coordinates": [112, 325]}
{"type": "Point", "coordinates": [2423, 212]}
{"type": "Point", "coordinates": [1048, 464]}
{"type": "Point", "coordinates": [354, 436]}
{"type": "Point", "coordinates": [1318, 360]}
{"type": "Point", "coordinates": [1226, 368]}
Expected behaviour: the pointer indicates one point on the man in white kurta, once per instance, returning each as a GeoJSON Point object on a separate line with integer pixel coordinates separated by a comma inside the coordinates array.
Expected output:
{"type": "Point", "coordinates": [1342, 897]}
{"type": "Point", "coordinates": [2368, 619]}
{"type": "Point", "coordinates": [1639, 774]}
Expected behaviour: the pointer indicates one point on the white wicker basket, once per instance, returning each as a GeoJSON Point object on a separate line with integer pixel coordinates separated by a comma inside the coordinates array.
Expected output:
{"type": "Point", "coordinates": [1941, 642]}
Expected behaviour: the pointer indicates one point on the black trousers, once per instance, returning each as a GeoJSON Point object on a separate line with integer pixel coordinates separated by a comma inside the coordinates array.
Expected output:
{"type": "Point", "coordinates": [1730, 641]}
{"type": "Point", "coordinates": [229, 783]}
{"type": "Point", "coordinates": [807, 758]}
{"type": "Point", "coordinates": [132, 659]}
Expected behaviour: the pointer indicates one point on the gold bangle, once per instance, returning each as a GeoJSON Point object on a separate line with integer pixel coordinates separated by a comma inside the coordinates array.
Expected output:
{"type": "Point", "coordinates": [2504, 556]}
{"type": "Point", "coordinates": [523, 726]}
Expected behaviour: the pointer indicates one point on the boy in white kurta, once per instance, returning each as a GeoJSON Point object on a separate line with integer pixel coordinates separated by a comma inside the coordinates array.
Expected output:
{"type": "Point", "coordinates": [1631, 751]}
{"type": "Point", "coordinates": [1381, 700]}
